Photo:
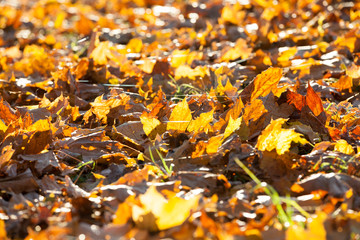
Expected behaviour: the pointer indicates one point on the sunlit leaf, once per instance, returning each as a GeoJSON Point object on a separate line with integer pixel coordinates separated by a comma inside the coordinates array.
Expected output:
{"type": "Point", "coordinates": [159, 213]}
{"type": "Point", "coordinates": [202, 122]}
{"type": "Point", "coordinates": [149, 123]}
{"type": "Point", "coordinates": [232, 126]}
{"type": "Point", "coordinates": [342, 146]}
{"type": "Point", "coordinates": [100, 53]}
{"type": "Point", "coordinates": [263, 84]}
{"type": "Point", "coordinates": [315, 231]}
{"type": "Point", "coordinates": [274, 137]}
{"type": "Point", "coordinates": [313, 101]}
{"type": "Point", "coordinates": [180, 117]}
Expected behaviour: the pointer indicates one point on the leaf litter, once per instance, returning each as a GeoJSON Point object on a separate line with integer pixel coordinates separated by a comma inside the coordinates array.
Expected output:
{"type": "Point", "coordinates": [155, 119]}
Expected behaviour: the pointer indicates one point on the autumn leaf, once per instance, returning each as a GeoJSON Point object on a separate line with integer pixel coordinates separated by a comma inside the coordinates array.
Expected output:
{"type": "Point", "coordinates": [202, 122]}
{"type": "Point", "coordinates": [101, 53]}
{"type": "Point", "coordinates": [262, 85]}
{"type": "Point", "coordinates": [180, 117]}
{"type": "Point", "coordinates": [158, 213]}
{"type": "Point", "coordinates": [149, 123]}
{"type": "Point", "coordinates": [232, 126]}
{"type": "Point", "coordinates": [123, 212]}
{"type": "Point", "coordinates": [313, 101]}
{"type": "Point", "coordinates": [315, 231]}
{"type": "Point", "coordinates": [344, 83]}
{"type": "Point", "coordinates": [343, 146]}
{"type": "Point", "coordinates": [274, 137]}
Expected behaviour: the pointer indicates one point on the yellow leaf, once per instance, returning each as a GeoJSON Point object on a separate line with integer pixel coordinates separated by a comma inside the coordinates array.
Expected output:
{"type": "Point", "coordinates": [134, 45]}
{"type": "Point", "coordinates": [342, 146]}
{"type": "Point", "coordinates": [41, 125]}
{"type": "Point", "coordinates": [158, 213]}
{"type": "Point", "coordinates": [202, 122]}
{"type": "Point", "coordinates": [232, 126]}
{"type": "Point", "coordinates": [185, 71]}
{"type": "Point", "coordinates": [149, 123]}
{"type": "Point", "coordinates": [275, 137]}
{"type": "Point", "coordinates": [179, 57]}
{"type": "Point", "coordinates": [265, 82]}
{"type": "Point", "coordinates": [180, 117]}
{"type": "Point", "coordinates": [286, 55]}
{"type": "Point", "coordinates": [239, 50]}
{"type": "Point", "coordinates": [254, 110]}
{"type": "Point", "coordinates": [98, 176]}
{"type": "Point", "coordinates": [214, 143]}
{"type": "Point", "coordinates": [100, 53]}
{"type": "Point", "coordinates": [315, 231]}
{"type": "Point", "coordinates": [236, 110]}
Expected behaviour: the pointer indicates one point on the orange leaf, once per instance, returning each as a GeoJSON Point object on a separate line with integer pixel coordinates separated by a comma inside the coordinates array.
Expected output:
{"type": "Point", "coordinates": [241, 50]}
{"type": "Point", "coordinates": [2, 230]}
{"type": "Point", "coordinates": [315, 230]}
{"type": "Point", "coordinates": [254, 110]}
{"type": "Point", "coordinates": [123, 212]}
{"type": "Point", "coordinates": [235, 111]}
{"type": "Point", "coordinates": [214, 143]}
{"type": "Point", "coordinates": [313, 101]}
{"type": "Point", "coordinates": [202, 122]}
{"type": "Point", "coordinates": [345, 82]}
{"type": "Point", "coordinates": [262, 85]}
{"type": "Point", "coordinates": [8, 114]}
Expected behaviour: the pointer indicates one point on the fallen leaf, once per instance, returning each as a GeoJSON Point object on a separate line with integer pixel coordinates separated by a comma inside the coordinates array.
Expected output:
{"type": "Point", "coordinates": [262, 85]}
{"type": "Point", "coordinates": [278, 138]}
{"type": "Point", "coordinates": [180, 117]}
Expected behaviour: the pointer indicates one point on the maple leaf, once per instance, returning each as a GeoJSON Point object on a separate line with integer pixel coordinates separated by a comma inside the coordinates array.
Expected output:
{"type": "Point", "coordinates": [274, 137]}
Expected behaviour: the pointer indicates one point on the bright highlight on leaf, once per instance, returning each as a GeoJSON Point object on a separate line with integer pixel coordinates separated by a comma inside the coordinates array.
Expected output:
{"type": "Point", "coordinates": [315, 231]}
{"type": "Point", "coordinates": [265, 82]}
{"type": "Point", "coordinates": [274, 137]}
{"type": "Point", "coordinates": [149, 123]}
{"type": "Point", "coordinates": [180, 117]}
{"type": "Point", "coordinates": [344, 147]}
{"type": "Point", "coordinates": [101, 53]}
{"type": "Point", "coordinates": [262, 85]}
{"type": "Point", "coordinates": [232, 126]}
{"type": "Point", "coordinates": [158, 213]}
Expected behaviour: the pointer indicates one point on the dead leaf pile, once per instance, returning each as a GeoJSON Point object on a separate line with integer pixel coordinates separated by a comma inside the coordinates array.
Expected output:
{"type": "Point", "coordinates": [154, 119]}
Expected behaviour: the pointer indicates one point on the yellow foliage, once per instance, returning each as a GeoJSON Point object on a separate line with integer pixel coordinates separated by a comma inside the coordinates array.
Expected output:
{"type": "Point", "coordinates": [278, 138]}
